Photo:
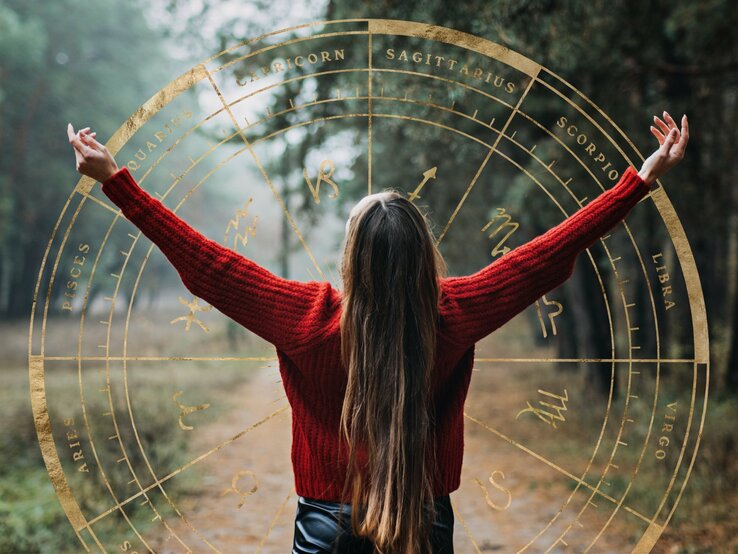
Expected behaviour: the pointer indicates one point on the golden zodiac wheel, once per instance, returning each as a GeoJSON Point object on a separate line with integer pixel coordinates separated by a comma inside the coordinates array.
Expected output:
{"type": "Point", "coordinates": [547, 466]}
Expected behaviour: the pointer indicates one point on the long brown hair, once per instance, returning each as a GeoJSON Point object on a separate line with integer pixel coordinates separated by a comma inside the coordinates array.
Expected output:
{"type": "Point", "coordinates": [390, 271]}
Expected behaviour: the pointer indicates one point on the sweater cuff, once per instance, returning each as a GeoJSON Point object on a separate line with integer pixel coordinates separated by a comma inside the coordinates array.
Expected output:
{"type": "Point", "coordinates": [121, 187]}
{"type": "Point", "coordinates": [634, 180]}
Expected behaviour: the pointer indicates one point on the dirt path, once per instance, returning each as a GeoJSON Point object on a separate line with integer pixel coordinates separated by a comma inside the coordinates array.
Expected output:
{"type": "Point", "coordinates": [260, 458]}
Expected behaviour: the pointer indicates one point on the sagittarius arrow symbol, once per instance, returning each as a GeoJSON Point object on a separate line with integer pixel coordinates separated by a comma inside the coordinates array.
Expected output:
{"type": "Point", "coordinates": [430, 174]}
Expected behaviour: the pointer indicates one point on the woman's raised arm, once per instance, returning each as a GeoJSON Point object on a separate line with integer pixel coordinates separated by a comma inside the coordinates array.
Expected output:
{"type": "Point", "coordinates": [475, 305]}
{"type": "Point", "coordinates": [287, 313]}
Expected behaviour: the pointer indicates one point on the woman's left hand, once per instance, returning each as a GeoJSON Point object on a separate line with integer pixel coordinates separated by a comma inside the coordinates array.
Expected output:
{"type": "Point", "coordinates": [672, 143]}
{"type": "Point", "coordinates": [93, 158]}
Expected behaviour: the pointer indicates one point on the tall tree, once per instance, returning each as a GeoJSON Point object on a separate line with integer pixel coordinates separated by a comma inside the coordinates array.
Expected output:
{"type": "Point", "coordinates": [59, 62]}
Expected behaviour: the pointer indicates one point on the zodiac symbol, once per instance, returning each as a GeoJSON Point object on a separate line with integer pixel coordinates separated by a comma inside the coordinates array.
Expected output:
{"type": "Point", "coordinates": [427, 175]}
{"type": "Point", "coordinates": [185, 410]}
{"type": "Point", "coordinates": [243, 239]}
{"type": "Point", "coordinates": [551, 315]}
{"type": "Point", "coordinates": [190, 317]}
{"type": "Point", "coordinates": [498, 487]}
{"type": "Point", "coordinates": [327, 167]}
{"type": "Point", "coordinates": [238, 491]}
{"type": "Point", "coordinates": [501, 213]}
{"type": "Point", "coordinates": [548, 417]}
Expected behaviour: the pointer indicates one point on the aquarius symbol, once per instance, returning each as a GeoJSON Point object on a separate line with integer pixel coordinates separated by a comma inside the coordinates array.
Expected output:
{"type": "Point", "coordinates": [185, 410]}
{"type": "Point", "coordinates": [498, 249]}
{"type": "Point", "coordinates": [251, 230]}
{"type": "Point", "coordinates": [190, 317]}
{"type": "Point", "coordinates": [327, 167]}
{"type": "Point", "coordinates": [496, 485]}
{"type": "Point", "coordinates": [238, 491]}
{"type": "Point", "coordinates": [551, 315]}
{"type": "Point", "coordinates": [548, 417]}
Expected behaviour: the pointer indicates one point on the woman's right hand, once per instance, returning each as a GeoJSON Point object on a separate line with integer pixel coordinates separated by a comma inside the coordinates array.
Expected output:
{"type": "Point", "coordinates": [673, 143]}
{"type": "Point", "coordinates": [93, 158]}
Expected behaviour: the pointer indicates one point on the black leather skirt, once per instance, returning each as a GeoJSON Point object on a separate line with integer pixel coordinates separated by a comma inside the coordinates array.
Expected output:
{"type": "Point", "coordinates": [317, 529]}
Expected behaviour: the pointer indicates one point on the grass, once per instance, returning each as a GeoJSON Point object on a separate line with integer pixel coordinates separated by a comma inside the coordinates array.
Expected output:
{"type": "Point", "coordinates": [31, 517]}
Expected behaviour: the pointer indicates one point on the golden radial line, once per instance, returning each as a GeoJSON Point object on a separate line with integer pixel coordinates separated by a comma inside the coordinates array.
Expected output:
{"type": "Point", "coordinates": [466, 529]}
{"type": "Point", "coordinates": [547, 167]}
{"type": "Point", "coordinates": [264, 174]}
{"type": "Point", "coordinates": [189, 464]}
{"type": "Point", "coordinates": [274, 520]}
{"type": "Point", "coordinates": [166, 358]}
{"type": "Point", "coordinates": [369, 108]}
{"type": "Point", "coordinates": [429, 122]}
{"type": "Point", "coordinates": [598, 360]}
{"type": "Point", "coordinates": [96, 200]}
{"type": "Point", "coordinates": [486, 158]}
{"type": "Point", "coordinates": [553, 136]}
{"type": "Point", "coordinates": [554, 466]}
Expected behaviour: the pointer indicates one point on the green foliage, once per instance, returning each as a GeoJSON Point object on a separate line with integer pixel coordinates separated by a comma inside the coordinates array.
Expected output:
{"type": "Point", "coordinates": [89, 63]}
{"type": "Point", "coordinates": [31, 518]}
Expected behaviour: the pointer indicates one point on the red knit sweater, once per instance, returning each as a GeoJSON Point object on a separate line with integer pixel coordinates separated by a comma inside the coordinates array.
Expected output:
{"type": "Point", "coordinates": [301, 319]}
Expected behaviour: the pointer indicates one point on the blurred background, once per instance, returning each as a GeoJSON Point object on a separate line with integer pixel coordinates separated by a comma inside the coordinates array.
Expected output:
{"type": "Point", "coordinates": [94, 63]}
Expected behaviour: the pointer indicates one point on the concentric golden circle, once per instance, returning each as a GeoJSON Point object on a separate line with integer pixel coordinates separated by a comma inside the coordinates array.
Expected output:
{"type": "Point", "coordinates": [549, 465]}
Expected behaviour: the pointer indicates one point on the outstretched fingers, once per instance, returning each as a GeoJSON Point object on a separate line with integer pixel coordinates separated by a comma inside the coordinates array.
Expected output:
{"type": "Point", "coordinates": [80, 149]}
{"type": "Point", "coordinates": [670, 120]}
{"type": "Point", "coordinates": [663, 127]}
{"type": "Point", "coordinates": [90, 141]}
{"type": "Point", "coordinates": [658, 134]}
{"type": "Point", "coordinates": [682, 144]}
{"type": "Point", "coordinates": [669, 142]}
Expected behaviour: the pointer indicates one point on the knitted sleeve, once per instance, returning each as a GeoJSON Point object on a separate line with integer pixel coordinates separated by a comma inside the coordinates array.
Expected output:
{"type": "Point", "coordinates": [288, 314]}
{"type": "Point", "coordinates": [475, 305]}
